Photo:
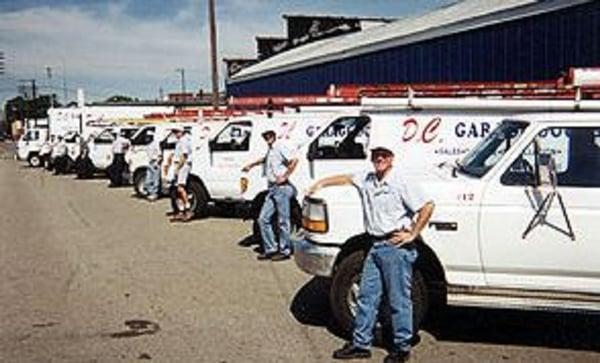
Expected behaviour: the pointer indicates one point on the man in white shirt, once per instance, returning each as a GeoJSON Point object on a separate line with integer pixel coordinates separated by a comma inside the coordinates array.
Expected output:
{"type": "Point", "coordinates": [59, 155]}
{"type": "Point", "coordinates": [182, 162]}
{"type": "Point", "coordinates": [395, 212]}
{"type": "Point", "coordinates": [152, 181]}
{"type": "Point", "coordinates": [45, 152]}
{"type": "Point", "coordinates": [279, 163]}
{"type": "Point", "coordinates": [118, 166]}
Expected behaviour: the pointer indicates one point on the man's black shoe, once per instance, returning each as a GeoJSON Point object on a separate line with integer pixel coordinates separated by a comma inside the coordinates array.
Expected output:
{"type": "Point", "coordinates": [280, 257]}
{"type": "Point", "coordinates": [397, 357]}
{"type": "Point", "coordinates": [349, 351]}
{"type": "Point", "coordinates": [265, 256]}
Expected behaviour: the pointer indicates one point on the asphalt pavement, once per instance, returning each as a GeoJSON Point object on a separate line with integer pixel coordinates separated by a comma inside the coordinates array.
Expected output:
{"type": "Point", "coordinates": [91, 274]}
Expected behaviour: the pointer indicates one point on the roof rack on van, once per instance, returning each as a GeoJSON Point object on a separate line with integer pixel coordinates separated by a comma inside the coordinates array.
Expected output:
{"type": "Point", "coordinates": [577, 84]}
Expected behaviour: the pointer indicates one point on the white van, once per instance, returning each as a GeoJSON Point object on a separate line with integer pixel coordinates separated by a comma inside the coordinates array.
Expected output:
{"type": "Point", "coordinates": [515, 223]}
{"type": "Point", "coordinates": [30, 144]}
{"type": "Point", "coordinates": [431, 130]}
{"type": "Point", "coordinates": [97, 155]}
{"type": "Point", "coordinates": [137, 157]}
{"type": "Point", "coordinates": [216, 174]}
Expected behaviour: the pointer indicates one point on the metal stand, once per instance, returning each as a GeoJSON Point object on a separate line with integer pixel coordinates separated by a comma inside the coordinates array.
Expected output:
{"type": "Point", "coordinates": [540, 215]}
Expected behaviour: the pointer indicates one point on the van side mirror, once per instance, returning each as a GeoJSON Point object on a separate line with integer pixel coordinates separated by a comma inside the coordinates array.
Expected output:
{"type": "Point", "coordinates": [211, 144]}
{"type": "Point", "coordinates": [546, 170]}
{"type": "Point", "coordinates": [312, 152]}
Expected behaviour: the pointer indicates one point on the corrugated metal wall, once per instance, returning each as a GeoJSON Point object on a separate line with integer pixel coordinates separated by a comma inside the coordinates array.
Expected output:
{"type": "Point", "coordinates": [533, 48]}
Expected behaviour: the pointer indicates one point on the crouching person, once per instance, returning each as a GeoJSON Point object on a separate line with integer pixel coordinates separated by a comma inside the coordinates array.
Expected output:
{"type": "Point", "coordinates": [395, 212]}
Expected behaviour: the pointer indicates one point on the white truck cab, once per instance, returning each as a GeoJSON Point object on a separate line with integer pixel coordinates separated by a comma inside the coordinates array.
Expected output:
{"type": "Point", "coordinates": [515, 223]}
{"type": "Point", "coordinates": [30, 144]}
{"type": "Point", "coordinates": [97, 156]}
{"type": "Point", "coordinates": [216, 174]}
{"type": "Point", "coordinates": [443, 130]}
{"type": "Point", "coordinates": [137, 156]}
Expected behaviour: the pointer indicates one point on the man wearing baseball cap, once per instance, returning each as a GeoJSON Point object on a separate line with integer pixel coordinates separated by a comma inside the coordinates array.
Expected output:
{"type": "Point", "coordinates": [279, 165]}
{"type": "Point", "coordinates": [395, 212]}
{"type": "Point", "coordinates": [182, 160]}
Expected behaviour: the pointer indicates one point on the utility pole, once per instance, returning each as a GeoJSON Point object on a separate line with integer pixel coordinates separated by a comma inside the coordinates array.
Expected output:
{"type": "Point", "coordinates": [182, 72]}
{"type": "Point", "coordinates": [64, 79]}
{"type": "Point", "coordinates": [213, 54]}
{"type": "Point", "coordinates": [49, 75]}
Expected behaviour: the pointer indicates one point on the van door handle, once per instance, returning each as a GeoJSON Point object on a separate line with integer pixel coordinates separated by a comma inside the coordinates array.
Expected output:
{"type": "Point", "coordinates": [444, 226]}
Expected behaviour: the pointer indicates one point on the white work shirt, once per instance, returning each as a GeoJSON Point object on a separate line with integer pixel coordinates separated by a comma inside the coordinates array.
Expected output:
{"type": "Point", "coordinates": [277, 159]}
{"type": "Point", "coordinates": [153, 150]}
{"type": "Point", "coordinates": [120, 145]}
{"type": "Point", "coordinates": [60, 149]}
{"type": "Point", "coordinates": [46, 148]}
{"type": "Point", "coordinates": [183, 147]}
{"type": "Point", "coordinates": [388, 204]}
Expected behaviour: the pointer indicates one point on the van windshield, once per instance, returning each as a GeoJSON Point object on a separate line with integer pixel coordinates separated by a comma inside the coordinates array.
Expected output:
{"type": "Point", "coordinates": [345, 138]}
{"type": "Point", "coordinates": [490, 150]}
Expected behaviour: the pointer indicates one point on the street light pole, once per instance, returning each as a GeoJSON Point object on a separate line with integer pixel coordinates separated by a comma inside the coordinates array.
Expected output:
{"type": "Point", "coordinates": [213, 54]}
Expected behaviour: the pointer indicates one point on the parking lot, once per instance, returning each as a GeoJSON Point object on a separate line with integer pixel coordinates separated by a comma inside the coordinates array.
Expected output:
{"type": "Point", "coordinates": [91, 274]}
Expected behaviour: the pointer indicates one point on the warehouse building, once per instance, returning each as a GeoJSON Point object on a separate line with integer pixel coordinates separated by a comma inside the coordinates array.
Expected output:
{"type": "Point", "coordinates": [471, 40]}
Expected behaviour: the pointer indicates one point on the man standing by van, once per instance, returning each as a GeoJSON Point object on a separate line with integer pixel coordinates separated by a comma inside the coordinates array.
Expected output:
{"type": "Point", "coordinates": [118, 166]}
{"type": "Point", "coordinates": [279, 164]}
{"type": "Point", "coordinates": [152, 182]}
{"type": "Point", "coordinates": [395, 213]}
{"type": "Point", "coordinates": [182, 159]}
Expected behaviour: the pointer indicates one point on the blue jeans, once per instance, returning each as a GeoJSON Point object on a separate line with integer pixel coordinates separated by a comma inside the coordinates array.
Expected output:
{"type": "Point", "coordinates": [387, 269]}
{"type": "Point", "coordinates": [278, 199]}
{"type": "Point", "coordinates": [152, 179]}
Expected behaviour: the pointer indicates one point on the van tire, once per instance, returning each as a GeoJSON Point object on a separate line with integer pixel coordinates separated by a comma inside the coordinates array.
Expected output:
{"type": "Point", "coordinates": [139, 178]}
{"type": "Point", "coordinates": [200, 198]}
{"type": "Point", "coordinates": [348, 272]}
{"type": "Point", "coordinates": [34, 160]}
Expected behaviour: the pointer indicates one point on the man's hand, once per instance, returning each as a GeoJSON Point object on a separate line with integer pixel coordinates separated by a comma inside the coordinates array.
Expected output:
{"type": "Point", "coordinates": [402, 237]}
{"type": "Point", "coordinates": [312, 189]}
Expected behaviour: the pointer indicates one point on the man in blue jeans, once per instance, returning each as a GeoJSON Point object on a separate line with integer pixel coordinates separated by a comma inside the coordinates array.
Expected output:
{"type": "Point", "coordinates": [395, 213]}
{"type": "Point", "coordinates": [152, 181]}
{"type": "Point", "coordinates": [279, 165]}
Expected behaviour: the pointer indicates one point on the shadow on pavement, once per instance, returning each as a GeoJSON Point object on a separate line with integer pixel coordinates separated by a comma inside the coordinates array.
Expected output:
{"type": "Point", "coordinates": [516, 327]}
{"type": "Point", "coordinates": [310, 306]}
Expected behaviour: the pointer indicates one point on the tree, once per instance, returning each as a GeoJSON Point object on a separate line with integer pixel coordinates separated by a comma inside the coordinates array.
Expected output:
{"type": "Point", "coordinates": [119, 99]}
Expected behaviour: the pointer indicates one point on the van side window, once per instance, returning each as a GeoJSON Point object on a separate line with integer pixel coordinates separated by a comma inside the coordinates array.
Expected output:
{"type": "Point", "coordinates": [235, 137]}
{"type": "Point", "coordinates": [145, 137]}
{"type": "Point", "coordinates": [576, 153]}
{"type": "Point", "coordinates": [345, 138]}
{"type": "Point", "coordinates": [104, 138]}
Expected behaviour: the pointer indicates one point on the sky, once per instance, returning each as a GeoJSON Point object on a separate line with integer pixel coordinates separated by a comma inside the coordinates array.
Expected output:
{"type": "Point", "coordinates": [134, 47]}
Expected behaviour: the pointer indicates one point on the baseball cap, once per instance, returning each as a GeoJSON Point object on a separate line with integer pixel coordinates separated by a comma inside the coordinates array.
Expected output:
{"type": "Point", "coordinates": [269, 132]}
{"type": "Point", "coordinates": [383, 144]}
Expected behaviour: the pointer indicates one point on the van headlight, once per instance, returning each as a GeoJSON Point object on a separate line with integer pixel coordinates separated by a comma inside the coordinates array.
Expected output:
{"type": "Point", "coordinates": [314, 215]}
{"type": "Point", "coordinates": [244, 182]}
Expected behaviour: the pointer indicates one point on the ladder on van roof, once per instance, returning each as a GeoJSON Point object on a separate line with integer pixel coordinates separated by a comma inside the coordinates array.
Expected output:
{"type": "Point", "coordinates": [577, 84]}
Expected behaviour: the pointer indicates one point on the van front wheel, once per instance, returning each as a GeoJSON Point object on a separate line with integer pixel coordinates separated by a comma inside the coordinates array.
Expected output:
{"type": "Point", "coordinates": [34, 160]}
{"type": "Point", "coordinates": [198, 199]}
{"type": "Point", "coordinates": [345, 289]}
{"type": "Point", "coordinates": [139, 179]}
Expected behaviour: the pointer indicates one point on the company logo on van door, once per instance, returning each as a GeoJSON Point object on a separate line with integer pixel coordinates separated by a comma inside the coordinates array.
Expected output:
{"type": "Point", "coordinates": [426, 133]}
{"type": "Point", "coordinates": [472, 129]}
